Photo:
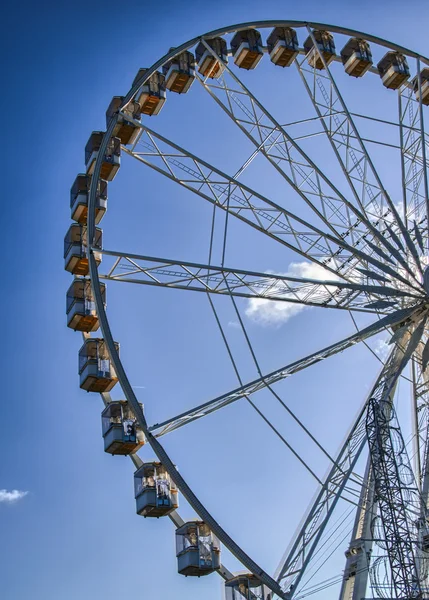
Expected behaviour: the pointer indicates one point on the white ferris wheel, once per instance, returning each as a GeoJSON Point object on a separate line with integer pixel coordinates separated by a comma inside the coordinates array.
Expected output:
{"type": "Point", "coordinates": [344, 188]}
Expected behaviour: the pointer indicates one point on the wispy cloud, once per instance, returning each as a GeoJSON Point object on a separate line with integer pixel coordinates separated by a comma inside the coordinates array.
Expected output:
{"type": "Point", "coordinates": [12, 496]}
{"type": "Point", "coordinates": [373, 212]}
{"type": "Point", "coordinates": [381, 348]}
{"type": "Point", "coordinates": [270, 312]}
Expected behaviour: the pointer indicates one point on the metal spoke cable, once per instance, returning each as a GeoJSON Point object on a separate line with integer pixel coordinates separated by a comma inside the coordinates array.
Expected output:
{"type": "Point", "coordinates": [267, 421]}
{"type": "Point", "coordinates": [334, 580]}
{"type": "Point", "coordinates": [329, 535]}
{"type": "Point", "coordinates": [228, 348]}
{"type": "Point", "coordinates": [249, 344]}
{"type": "Point", "coordinates": [343, 535]}
{"type": "Point", "coordinates": [260, 413]}
{"type": "Point", "coordinates": [269, 387]}
{"type": "Point", "coordinates": [255, 360]}
{"type": "Point", "coordinates": [252, 352]}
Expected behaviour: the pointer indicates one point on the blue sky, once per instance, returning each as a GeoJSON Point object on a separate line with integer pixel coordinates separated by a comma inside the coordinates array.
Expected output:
{"type": "Point", "coordinates": [74, 534]}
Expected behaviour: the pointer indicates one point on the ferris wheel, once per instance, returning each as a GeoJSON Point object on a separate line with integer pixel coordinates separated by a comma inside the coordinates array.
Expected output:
{"type": "Point", "coordinates": [352, 183]}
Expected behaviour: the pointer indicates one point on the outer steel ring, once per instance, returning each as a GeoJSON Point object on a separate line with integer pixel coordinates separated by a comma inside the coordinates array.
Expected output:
{"type": "Point", "coordinates": [95, 282]}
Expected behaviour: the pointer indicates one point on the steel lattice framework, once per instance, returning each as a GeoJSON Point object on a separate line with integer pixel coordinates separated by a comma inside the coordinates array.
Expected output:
{"type": "Point", "coordinates": [370, 245]}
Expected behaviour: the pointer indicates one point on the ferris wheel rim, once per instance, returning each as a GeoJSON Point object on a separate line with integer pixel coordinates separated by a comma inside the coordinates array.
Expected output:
{"type": "Point", "coordinates": [129, 392]}
{"type": "Point", "coordinates": [93, 271]}
{"type": "Point", "coordinates": [263, 24]}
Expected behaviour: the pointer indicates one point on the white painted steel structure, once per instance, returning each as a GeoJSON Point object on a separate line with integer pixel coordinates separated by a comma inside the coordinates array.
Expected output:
{"type": "Point", "coordinates": [374, 252]}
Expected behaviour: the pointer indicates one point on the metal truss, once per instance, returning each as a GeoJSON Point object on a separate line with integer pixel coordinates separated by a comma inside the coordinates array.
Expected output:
{"type": "Point", "coordinates": [202, 410]}
{"type": "Point", "coordinates": [397, 496]}
{"type": "Point", "coordinates": [146, 270]}
{"type": "Point", "coordinates": [414, 149]}
{"type": "Point", "coordinates": [358, 555]}
{"type": "Point", "coordinates": [283, 152]}
{"type": "Point", "coordinates": [297, 558]}
{"type": "Point", "coordinates": [352, 154]}
{"type": "Point", "coordinates": [241, 201]}
{"type": "Point", "coordinates": [400, 505]}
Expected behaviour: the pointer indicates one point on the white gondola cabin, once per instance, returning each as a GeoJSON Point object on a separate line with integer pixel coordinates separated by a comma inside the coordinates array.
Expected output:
{"type": "Point", "coordinates": [79, 194]}
{"type": "Point", "coordinates": [356, 56]}
{"type": "Point", "coordinates": [121, 432]}
{"type": "Point", "coordinates": [111, 159]}
{"type": "Point", "coordinates": [179, 72]}
{"type": "Point", "coordinates": [152, 95]}
{"type": "Point", "coordinates": [126, 131]}
{"type": "Point", "coordinates": [75, 243]}
{"type": "Point", "coordinates": [393, 70]}
{"type": "Point", "coordinates": [424, 87]}
{"type": "Point", "coordinates": [246, 48]}
{"type": "Point", "coordinates": [197, 548]}
{"type": "Point", "coordinates": [96, 370]}
{"type": "Point", "coordinates": [245, 586]}
{"type": "Point", "coordinates": [282, 45]}
{"type": "Point", "coordinates": [325, 46]}
{"type": "Point", "coordinates": [207, 64]}
{"type": "Point", "coordinates": [156, 495]}
{"type": "Point", "coordinates": [81, 313]}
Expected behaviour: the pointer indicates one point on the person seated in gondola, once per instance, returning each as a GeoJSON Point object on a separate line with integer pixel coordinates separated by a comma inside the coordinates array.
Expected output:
{"type": "Point", "coordinates": [163, 492]}
{"type": "Point", "coordinates": [129, 430]}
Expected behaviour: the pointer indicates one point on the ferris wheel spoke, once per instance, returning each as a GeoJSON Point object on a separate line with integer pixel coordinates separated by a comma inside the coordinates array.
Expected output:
{"type": "Point", "coordinates": [277, 146]}
{"type": "Point", "coordinates": [238, 199]}
{"type": "Point", "coordinates": [161, 272]}
{"type": "Point", "coordinates": [414, 149]}
{"type": "Point", "coordinates": [282, 150]}
{"type": "Point", "coordinates": [300, 551]}
{"type": "Point", "coordinates": [205, 180]}
{"type": "Point", "coordinates": [211, 406]}
{"type": "Point", "coordinates": [353, 156]}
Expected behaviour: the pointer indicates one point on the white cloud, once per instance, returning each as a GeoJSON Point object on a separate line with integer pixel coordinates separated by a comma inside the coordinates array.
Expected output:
{"type": "Point", "coordinates": [12, 496]}
{"type": "Point", "coordinates": [373, 212]}
{"type": "Point", "coordinates": [381, 348]}
{"type": "Point", "coordinates": [270, 312]}
{"type": "Point", "coordinates": [311, 271]}
{"type": "Point", "coordinates": [234, 324]}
